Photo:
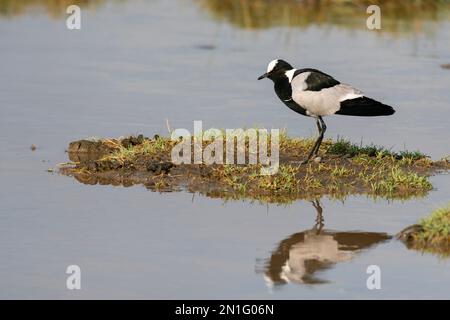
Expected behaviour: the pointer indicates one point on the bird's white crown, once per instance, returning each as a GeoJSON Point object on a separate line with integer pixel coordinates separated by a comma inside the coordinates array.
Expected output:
{"type": "Point", "coordinates": [272, 65]}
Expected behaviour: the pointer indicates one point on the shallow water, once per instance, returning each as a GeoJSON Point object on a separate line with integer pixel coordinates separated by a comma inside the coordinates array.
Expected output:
{"type": "Point", "coordinates": [135, 64]}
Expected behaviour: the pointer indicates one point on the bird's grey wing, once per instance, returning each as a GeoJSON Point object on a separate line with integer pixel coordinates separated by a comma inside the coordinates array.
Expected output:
{"type": "Point", "coordinates": [319, 93]}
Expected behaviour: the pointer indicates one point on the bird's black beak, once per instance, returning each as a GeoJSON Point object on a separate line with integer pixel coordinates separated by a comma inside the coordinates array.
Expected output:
{"type": "Point", "coordinates": [263, 76]}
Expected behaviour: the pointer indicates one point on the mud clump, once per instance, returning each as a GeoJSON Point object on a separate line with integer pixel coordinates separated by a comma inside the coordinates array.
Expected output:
{"type": "Point", "coordinates": [132, 141]}
{"type": "Point", "coordinates": [408, 234]}
{"type": "Point", "coordinates": [93, 153]}
{"type": "Point", "coordinates": [90, 149]}
{"type": "Point", "coordinates": [159, 167]}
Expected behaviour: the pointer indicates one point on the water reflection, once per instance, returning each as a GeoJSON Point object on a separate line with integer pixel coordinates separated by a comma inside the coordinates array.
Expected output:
{"type": "Point", "coordinates": [402, 16]}
{"type": "Point", "coordinates": [302, 255]}
{"type": "Point", "coordinates": [54, 8]}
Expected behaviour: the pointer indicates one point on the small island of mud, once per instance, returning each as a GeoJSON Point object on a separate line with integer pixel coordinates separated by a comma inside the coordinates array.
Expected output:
{"type": "Point", "coordinates": [343, 169]}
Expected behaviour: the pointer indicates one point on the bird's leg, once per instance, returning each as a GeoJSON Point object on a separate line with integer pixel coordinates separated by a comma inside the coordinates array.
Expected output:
{"type": "Point", "coordinates": [317, 143]}
{"type": "Point", "coordinates": [322, 132]}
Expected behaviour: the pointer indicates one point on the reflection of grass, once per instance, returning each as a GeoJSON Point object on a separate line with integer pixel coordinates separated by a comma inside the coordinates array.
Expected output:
{"type": "Point", "coordinates": [54, 8]}
{"type": "Point", "coordinates": [397, 15]}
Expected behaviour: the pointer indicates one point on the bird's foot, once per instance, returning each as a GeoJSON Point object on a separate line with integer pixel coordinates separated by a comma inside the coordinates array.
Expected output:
{"type": "Point", "coordinates": [316, 159]}
{"type": "Point", "coordinates": [305, 161]}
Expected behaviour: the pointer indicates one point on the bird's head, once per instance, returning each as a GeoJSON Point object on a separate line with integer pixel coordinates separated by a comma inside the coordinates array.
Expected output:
{"type": "Point", "coordinates": [276, 68]}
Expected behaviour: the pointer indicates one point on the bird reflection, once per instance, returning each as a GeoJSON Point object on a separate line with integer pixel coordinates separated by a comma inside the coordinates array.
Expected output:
{"type": "Point", "coordinates": [299, 257]}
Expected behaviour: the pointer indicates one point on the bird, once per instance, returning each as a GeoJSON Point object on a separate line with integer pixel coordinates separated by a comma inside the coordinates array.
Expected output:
{"type": "Point", "coordinates": [313, 93]}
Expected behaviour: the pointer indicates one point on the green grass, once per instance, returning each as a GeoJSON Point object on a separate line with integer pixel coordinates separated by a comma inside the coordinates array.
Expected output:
{"type": "Point", "coordinates": [284, 181]}
{"type": "Point", "coordinates": [385, 180]}
{"type": "Point", "coordinates": [344, 147]}
{"type": "Point", "coordinates": [436, 227]}
{"type": "Point", "coordinates": [397, 179]}
{"type": "Point", "coordinates": [414, 155]}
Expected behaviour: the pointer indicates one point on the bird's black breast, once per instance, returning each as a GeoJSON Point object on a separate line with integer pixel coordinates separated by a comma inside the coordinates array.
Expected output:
{"type": "Point", "coordinates": [283, 90]}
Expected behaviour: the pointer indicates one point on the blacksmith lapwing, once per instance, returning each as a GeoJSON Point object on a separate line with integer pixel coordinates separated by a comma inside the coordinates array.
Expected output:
{"type": "Point", "coordinates": [313, 93]}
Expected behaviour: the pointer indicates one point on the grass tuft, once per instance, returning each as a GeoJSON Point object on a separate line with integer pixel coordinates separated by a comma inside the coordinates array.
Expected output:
{"type": "Point", "coordinates": [343, 147]}
{"type": "Point", "coordinates": [436, 227]}
{"type": "Point", "coordinates": [431, 235]}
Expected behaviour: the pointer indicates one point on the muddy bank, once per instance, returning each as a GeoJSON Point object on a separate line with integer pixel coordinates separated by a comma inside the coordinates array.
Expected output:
{"type": "Point", "coordinates": [342, 169]}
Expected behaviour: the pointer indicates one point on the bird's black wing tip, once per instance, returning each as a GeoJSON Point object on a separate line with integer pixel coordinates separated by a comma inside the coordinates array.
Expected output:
{"type": "Point", "coordinates": [364, 107]}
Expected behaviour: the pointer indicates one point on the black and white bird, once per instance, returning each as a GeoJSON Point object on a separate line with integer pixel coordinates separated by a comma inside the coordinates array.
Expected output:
{"type": "Point", "coordinates": [313, 93]}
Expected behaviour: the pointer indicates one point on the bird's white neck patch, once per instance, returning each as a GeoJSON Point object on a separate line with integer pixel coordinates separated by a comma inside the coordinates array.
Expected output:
{"type": "Point", "coordinates": [290, 74]}
{"type": "Point", "coordinates": [272, 65]}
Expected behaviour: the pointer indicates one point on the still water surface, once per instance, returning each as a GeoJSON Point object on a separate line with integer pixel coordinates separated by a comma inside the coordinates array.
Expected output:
{"type": "Point", "coordinates": [135, 64]}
